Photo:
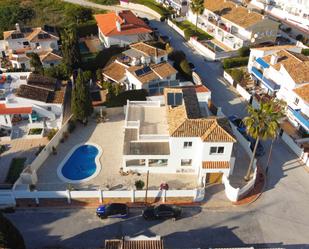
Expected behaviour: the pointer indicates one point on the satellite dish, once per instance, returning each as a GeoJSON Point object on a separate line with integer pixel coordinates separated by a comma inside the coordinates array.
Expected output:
{"type": "Point", "coordinates": [252, 40]}
{"type": "Point", "coordinates": [255, 35]}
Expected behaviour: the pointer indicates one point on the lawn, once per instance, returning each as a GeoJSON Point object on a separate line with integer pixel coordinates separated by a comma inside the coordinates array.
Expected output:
{"type": "Point", "coordinates": [106, 2]}
{"type": "Point", "coordinates": [152, 4]}
{"type": "Point", "coordinates": [189, 29]}
{"type": "Point", "coordinates": [16, 167]}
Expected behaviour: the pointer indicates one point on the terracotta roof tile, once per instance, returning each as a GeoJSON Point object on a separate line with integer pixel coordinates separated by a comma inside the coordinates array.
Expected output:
{"type": "Point", "coordinates": [216, 165]}
{"type": "Point", "coordinates": [115, 71]}
{"type": "Point", "coordinates": [233, 12]}
{"type": "Point", "coordinates": [297, 65]}
{"type": "Point", "coordinates": [280, 47]}
{"type": "Point", "coordinates": [303, 92]}
{"type": "Point", "coordinates": [4, 110]}
{"type": "Point", "coordinates": [148, 50]}
{"type": "Point", "coordinates": [50, 56]}
{"type": "Point", "coordinates": [130, 24]}
{"type": "Point", "coordinates": [35, 93]}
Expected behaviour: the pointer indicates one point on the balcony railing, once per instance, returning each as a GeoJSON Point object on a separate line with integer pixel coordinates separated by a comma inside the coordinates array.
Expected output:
{"type": "Point", "coordinates": [300, 117]}
{"type": "Point", "coordinates": [272, 86]}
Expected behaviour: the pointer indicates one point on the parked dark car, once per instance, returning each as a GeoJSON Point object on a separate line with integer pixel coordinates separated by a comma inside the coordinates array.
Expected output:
{"type": "Point", "coordinates": [114, 210]}
{"type": "Point", "coordinates": [238, 123]}
{"type": "Point", "coordinates": [165, 38]}
{"type": "Point", "coordinates": [191, 65]}
{"type": "Point", "coordinates": [162, 212]}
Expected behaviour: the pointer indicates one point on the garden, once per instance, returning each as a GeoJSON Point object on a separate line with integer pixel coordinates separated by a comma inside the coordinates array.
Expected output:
{"type": "Point", "coordinates": [16, 167]}
{"type": "Point", "coordinates": [190, 30]}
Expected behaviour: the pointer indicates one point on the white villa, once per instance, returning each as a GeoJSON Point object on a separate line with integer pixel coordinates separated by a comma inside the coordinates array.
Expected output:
{"type": "Point", "coordinates": [27, 99]}
{"type": "Point", "coordinates": [180, 6]}
{"type": "Point", "coordinates": [172, 134]}
{"type": "Point", "coordinates": [233, 25]}
{"type": "Point", "coordinates": [284, 72]}
{"type": "Point", "coordinates": [18, 43]}
{"type": "Point", "coordinates": [122, 28]}
{"type": "Point", "coordinates": [142, 67]}
{"type": "Point", "coordinates": [292, 11]}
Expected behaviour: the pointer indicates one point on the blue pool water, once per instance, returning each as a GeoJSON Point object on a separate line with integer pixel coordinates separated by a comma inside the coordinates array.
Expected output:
{"type": "Point", "coordinates": [81, 164]}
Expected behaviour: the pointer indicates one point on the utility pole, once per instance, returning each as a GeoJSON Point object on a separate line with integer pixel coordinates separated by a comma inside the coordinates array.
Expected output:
{"type": "Point", "coordinates": [147, 182]}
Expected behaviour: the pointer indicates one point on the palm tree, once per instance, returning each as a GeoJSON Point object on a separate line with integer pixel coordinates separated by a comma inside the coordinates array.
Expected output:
{"type": "Point", "coordinates": [263, 124]}
{"type": "Point", "coordinates": [197, 8]}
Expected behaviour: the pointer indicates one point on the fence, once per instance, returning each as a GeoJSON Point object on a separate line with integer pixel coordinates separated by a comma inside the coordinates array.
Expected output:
{"type": "Point", "coordinates": [101, 196]}
{"type": "Point", "coordinates": [243, 92]}
{"type": "Point", "coordinates": [228, 77]}
{"type": "Point", "coordinates": [176, 28]}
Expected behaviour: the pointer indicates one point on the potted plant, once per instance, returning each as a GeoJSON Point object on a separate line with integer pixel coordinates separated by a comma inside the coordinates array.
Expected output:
{"type": "Point", "coordinates": [139, 184]}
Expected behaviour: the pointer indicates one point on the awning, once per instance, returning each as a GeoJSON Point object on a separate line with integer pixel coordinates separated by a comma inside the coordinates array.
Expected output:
{"type": "Point", "coordinates": [302, 120]}
{"type": "Point", "coordinates": [262, 63]}
{"type": "Point", "coordinates": [272, 86]}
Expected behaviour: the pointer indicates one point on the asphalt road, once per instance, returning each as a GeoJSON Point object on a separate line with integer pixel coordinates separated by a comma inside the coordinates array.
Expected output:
{"type": "Point", "coordinates": [279, 218]}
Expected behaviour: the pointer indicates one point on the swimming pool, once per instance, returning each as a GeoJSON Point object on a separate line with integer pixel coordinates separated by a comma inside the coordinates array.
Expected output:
{"type": "Point", "coordinates": [81, 164]}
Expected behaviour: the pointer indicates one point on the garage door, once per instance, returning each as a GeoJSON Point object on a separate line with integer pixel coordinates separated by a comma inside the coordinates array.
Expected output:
{"type": "Point", "coordinates": [212, 178]}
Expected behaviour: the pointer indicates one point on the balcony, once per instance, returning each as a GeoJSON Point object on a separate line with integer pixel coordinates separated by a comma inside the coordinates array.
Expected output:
{"type": "Point", "coordinates": [300, 117]}
{"type": "Point", "coordinates": [269, 84]}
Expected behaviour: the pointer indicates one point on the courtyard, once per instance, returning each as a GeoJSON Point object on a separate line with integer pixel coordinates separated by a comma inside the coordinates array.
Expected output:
{"type": "Point", "coordinates": [109, 136]}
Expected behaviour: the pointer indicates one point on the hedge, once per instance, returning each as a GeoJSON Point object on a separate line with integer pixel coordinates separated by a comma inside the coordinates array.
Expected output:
{"type": "Point", "coordinates": [10, 238]}
{"type": "Point", "coordinates": [16, 167]}
{"type": "Point", "coordinates": [305, 51]}
{"type": "Point", "coordinates": [236, 74]}
{"type": "Point", "coordinates": [235, 62]}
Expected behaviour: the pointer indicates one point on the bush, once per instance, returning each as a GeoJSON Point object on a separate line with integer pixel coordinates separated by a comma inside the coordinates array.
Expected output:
{"type": "Point", "coordinates": [72, 126]}
{"type": "Point", "coordinates": [139, 184]}
{"type": "Point", "coordinates": [244, 51]}
{"type": "Point", "coordinates": [16, 167]}
{"type": "Point", "coordinates": [236, 74]}
{"type": "Point", "coordinates": [162, 18]}
{"type": "Point", "coordinates": [185, 69]}
{"type": "Point", "coordinates": [235, 62]}
{"type": "Point", "coordinates": [35, 131]}
{"type": "Point", "coordinates": [299, 37]}
{"type": "Point", "coordinates": [10, 237]}
{"type": "Point", "coordinates": [288, 30]}
{"type": "Point", "coordinates": [51, 134]}
{"type": "Point", "coordinates": [305, 51]}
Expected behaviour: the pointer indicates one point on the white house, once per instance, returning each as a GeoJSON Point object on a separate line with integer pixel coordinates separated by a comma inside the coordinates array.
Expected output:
{"type": "Point", "coordinates": [30, 98]}
{"type": "Point", "coordinates": [122, 28]}
{"type": "Point", "coordinates": [284, 72]}
{"type": "Point", "coordinates": [18, 43]}
{"type": "Point", "coordinates": [234, 25]}
{"type": "Point", "coordinates": [175, 137]}
{"type": "Point", "coordinates": [292, 11]}
{"type": "Point", "coordinates": [180, 6]}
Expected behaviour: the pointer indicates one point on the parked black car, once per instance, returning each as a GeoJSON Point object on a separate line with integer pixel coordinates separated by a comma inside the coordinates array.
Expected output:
{"type": "Point", "coordinates": [114, 210]}
{"type": "Point", "coordinates": [191, 65]}
{"type": "Point", "coordinates": [162, 211]}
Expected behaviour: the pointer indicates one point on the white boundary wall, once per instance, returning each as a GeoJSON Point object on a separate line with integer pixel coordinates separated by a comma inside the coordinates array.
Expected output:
{"type": "Point", "coordinates": [242, 91]}
{"type": "Point", "coordinates": [228, 77]}
{"type": "Point", "coordinates": [176, 28]}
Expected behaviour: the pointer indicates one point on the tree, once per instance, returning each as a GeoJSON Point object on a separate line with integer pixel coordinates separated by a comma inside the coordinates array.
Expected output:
{"type": "Point", "coordinates": [99, 75]}
{"type": "Point", "coordinates": [81, 99]}
{"type": "Point", "coordinates": [58, 71]}
{"type": "Point", "coordinates": [36, 64]}
{"type": "Point", "coordinates": [197, 8]}
{"type": "Point", "coordinates": [263, 124]}
{"type": "Point", "coordinates": [78, 14]}
{"type": "Point", "coordinates": [10, 237]}
{"type": "Point", "coordinates": [70, 48]}
{"type": "Point", "coordinates": [185, 68]}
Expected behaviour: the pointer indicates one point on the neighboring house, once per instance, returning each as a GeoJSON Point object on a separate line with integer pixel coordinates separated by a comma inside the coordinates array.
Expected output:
{"type": "Point", "coordinates": [175, 137]}
{"type": "Point", "coordinates": [122, 28]}
{"type": "Point", "coordinates": [37, 99]}
{"type": "Point", "coordinates": [18, 43]}
{"type": "Point", "coordinates": [180, 6]}
{"type": "Point", "coordinates": [284, 72]}
{"type": "Point", "coordinates": [291, 11]}
{"type": "Point", "coordinates": [234, 25]}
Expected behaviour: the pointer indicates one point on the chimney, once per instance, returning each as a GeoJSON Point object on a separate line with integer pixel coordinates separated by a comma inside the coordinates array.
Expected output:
{"type": "Point", "coordinates": [118, 26]}
{"type": "Point", "coordinates": [17, 27]}
{"type": "Point", "coordinates": [274, 59]}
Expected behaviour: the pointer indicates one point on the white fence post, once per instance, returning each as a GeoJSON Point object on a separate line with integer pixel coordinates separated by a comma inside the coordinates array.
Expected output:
{"type": "Point", "coordinates": [133, 195]}
{"type": "Point", "coordinates": [37, 201]}
{"type": "Point", "coordinates": [100, 196]}
{"type": "Point", "coordinates": [69, 196]}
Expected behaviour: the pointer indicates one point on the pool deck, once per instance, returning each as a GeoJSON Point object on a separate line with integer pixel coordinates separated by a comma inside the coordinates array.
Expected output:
{"type": "Point", "coordinates": [109, 136]}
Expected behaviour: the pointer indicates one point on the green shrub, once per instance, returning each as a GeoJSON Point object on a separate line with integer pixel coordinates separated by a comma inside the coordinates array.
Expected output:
{"type": "Point", "coordinates": [139, 184]}
{"type": "Point", "coordinates": [244, 51]}
{"type": "Point", "coordinates": [35, 131]}
{"type": "Point", "coordinates": [2, 148]}
{"type": "Point", "coordinates": [10, 237]}
{"type": "Point", "coordinates": [305, 51]}
{"type": "Point", "coordinates": [235, 62]}
{"type": "Point", "coordinates": [16, 167]}
{"type": "Point", "coordinates": [51, 134]}
{"type": "Point", "coordinates": [236, 74]}
{"type": "Point", "coordinates": [185, 69]}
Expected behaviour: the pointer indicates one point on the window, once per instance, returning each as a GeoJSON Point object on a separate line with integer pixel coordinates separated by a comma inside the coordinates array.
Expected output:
{"type": "Point", "coordinates": [162, 59]}
{"type": "Point", "coordinates": [296, 101]}
{"type": "Point", "coordinates": [216, 150]}
{"type": "Point", "coordinates": [26, 43]}
{"type": "Point", "coordinates": [187, 145]}
{"type": "Point", "coordinates": [157, 162]}
{"type": "Point", "coordinates": [37, 44]}
{"type": "Point", "coordinates": [49, 108]}
{"type": "Point", "coordinates": [186, 162]}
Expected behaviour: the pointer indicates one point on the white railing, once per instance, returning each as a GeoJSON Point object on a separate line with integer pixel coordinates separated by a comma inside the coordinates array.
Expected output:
{"type": "Point", "coordinates": [146, 103]}
{"type": "Point", "coordinates": [132, 124]}
{"type": "Point", "coordinates": [154, 137]}
{"type": "Point", "coordinates": [176, 28]}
